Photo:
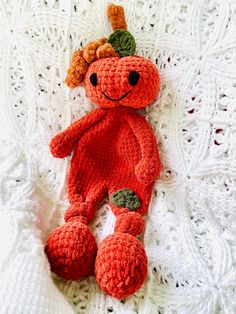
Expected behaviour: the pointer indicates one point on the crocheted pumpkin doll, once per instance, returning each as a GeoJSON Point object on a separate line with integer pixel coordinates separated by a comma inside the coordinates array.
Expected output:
{"type": "Point", "coordinates": [114, 152]}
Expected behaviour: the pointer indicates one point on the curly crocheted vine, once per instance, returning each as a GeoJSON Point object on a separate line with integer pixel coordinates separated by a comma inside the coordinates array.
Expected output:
{"type": "Point", "coordinates": [114, 152]}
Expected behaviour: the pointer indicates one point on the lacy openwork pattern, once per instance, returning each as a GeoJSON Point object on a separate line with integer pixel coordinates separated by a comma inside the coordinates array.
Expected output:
{"type": "Point", "coordinates": [190, 232]}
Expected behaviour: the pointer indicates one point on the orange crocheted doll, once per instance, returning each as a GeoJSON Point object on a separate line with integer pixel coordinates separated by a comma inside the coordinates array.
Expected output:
{"type": "Point", "coordinates": [115, 151]}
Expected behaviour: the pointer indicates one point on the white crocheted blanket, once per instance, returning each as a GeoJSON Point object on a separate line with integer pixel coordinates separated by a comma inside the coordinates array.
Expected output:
{"type": "Point", "coordinates": [190, 232]}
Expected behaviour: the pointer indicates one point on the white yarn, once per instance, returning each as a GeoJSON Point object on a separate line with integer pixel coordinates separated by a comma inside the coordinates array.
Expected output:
{"type": "Point", "coordinates": [190, 231]}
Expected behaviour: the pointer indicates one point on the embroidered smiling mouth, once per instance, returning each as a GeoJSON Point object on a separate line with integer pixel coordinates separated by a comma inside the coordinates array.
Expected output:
{"type": "Point", "coordinates": [116, 99]}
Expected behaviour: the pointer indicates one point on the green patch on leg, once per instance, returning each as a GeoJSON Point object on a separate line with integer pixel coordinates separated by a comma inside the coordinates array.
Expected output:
{"type": "Point", "coordinates": [125, 198]}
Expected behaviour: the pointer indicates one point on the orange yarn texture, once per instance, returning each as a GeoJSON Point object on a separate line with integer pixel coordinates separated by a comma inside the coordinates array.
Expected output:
{"type": "Point", "coordinates": [81, 59]}
{"type": "Point", "coordinates": [116, 16]}
{"type": "Point", "coordinates": [89, 51]}
{"type": "Point", "coordinates": [115, 153]}
{"type": "Point", "coordinates": [121, 265]}
{"type": "Point", "coordinates": [71, 246]}
{"type": "Point", "coordinates": [77, 70]}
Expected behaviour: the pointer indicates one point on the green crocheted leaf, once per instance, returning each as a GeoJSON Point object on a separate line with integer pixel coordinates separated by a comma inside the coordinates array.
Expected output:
{"type": "Point", "coordinates": [125, 198]}
{"type": "Point", "coordinates": [123, 42]}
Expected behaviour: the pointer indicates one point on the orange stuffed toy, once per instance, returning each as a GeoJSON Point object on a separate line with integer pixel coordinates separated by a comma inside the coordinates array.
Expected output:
{"type": "Point", "coordinates": [115, 151]}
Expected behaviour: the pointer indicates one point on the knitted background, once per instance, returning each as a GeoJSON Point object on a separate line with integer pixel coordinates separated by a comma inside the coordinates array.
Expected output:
{"type": "Point", "coordinates": [190, 231]}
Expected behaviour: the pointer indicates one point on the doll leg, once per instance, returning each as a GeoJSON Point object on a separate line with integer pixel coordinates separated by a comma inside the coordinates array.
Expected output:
{"type": "Point", "coordinates": [121, 262]}
{"type": "Point", "coordinates": [71, 248]}
{"type": "Point", "coordinates": [84, 197]}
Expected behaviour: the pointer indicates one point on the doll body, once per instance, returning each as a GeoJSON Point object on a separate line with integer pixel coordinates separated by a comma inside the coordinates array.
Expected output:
{"type": "Point", "coordinates": [113, 149]}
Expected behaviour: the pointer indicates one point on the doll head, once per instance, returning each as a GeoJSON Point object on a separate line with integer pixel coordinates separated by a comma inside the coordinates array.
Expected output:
{"type": "Point", "coordinates": [129, 81]}
{"type": "Point", "coordinates": [111, 73]}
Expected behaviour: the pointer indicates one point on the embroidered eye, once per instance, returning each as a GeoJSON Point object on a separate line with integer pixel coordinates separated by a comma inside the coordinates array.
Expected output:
{"type": "Point", "coordinates": [93, 79]}
{"type": "Point", "coordinates": [133, 78]}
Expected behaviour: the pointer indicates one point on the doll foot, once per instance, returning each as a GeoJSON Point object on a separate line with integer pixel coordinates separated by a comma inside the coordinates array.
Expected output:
{"type": "Point", "coordinates": [71, 250]}
{"type": "Point", "coordinates": [121, 265]}
{"type": "Point", "coordinates": [132, 223]}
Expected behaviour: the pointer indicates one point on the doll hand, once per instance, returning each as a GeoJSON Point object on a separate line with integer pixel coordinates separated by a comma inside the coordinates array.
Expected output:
{"type": "Point", "coordinates": [60, 147]}
{"type": "Point", "coordinates": [147, 171]}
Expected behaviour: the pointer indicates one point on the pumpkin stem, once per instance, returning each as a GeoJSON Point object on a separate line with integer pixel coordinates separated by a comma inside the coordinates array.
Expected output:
{"type": "Point", "coordinates": [116, 15]}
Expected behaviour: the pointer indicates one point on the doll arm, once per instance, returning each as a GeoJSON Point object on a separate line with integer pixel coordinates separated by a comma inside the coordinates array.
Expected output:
{"type": "Point", "coordinates": [149, 166]}
{"type": "Point", "coordinates": [62, 144]}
